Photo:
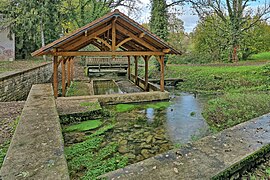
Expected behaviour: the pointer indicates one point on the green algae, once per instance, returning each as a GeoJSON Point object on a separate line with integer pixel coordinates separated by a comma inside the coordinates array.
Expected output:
{"type": "Point", "coordinates": [129, 107]}
{"type": "Point", "coordinates": [84, 126]}
{"type": "Point", "coordinates": [158, 105]}
{"type": "Point", "coordinates": [125, 107]}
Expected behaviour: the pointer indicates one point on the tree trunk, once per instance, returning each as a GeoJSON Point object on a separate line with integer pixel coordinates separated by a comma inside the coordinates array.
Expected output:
{"type": "Point", "coordinates": [42, 37]}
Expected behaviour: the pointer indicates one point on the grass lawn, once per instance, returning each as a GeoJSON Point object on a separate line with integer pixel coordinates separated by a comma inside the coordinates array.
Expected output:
{"type": "Point", "coordinates": [261, 56]}
{"type": "Point", "coordinates": [6, 66]}
{"type": "Point", "coordinates": [220, 78]}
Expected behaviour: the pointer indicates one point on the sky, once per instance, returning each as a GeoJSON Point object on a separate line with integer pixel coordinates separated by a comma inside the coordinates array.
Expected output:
{"type": "Point", "coordinates": [190, 20]}
{"type": "Point", "coordinates": [187, 16]}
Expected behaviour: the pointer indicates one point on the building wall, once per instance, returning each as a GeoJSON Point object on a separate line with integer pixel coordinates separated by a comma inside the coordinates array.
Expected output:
{"type": "Point", "coordinates": [7, 45]}
{"type": "Point", "coordinates": [15, 86]}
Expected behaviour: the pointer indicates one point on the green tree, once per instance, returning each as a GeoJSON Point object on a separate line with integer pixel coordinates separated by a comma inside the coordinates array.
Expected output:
{"type": "Point", "coordinates": [159, 18]}
{"type": "Point", "coordinates": [211, 41]}
{"type": "Point", "coordinates": [34, 23]}
{"type": "Point", "coordinates": [159, 22]}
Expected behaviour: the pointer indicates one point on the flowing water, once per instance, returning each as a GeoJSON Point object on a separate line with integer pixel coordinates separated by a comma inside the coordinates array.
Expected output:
{"type": "Point", "coordinates": [183, 120]}
{"type": "Point", "coordinates": [141, 130]}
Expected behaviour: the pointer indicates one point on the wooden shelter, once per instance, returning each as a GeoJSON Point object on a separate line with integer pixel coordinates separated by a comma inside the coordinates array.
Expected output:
{"type": "Point", "coordinates": [114, 34]}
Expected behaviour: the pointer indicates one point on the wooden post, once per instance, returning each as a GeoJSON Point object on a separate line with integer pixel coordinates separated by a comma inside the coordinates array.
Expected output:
{"type": "Point", "coordinates": [63, 67]}
{"type": "Point", "coordinates": [113, 35]}
{"type": "Point", "coordinates": [72, 68]}
{"type": "Point", "coordinates": [161, 61]}
{"type": "Point", "coordinates": [136, 70]}
{"type": "Point", "coordinates": [68, 72]}
{"type": "Point", "coordinates": [146, 58]}
{"type": "Point", "coordinates": [128, 67]}
{"type": "Point", "coordinates": [55, 76]}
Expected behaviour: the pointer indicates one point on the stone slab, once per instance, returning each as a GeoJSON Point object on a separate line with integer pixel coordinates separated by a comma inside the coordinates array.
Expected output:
{"type": "Point", "coordinates": [67, 106]}
{"type": "Point", "coordinates": [206, 158]}
{"type": "Point", "coordinates": [37, 149]}
{"type": "Point", "coordinates": [121, 98]}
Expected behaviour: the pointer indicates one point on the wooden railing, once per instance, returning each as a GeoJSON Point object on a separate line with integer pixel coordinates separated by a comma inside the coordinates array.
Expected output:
{"type": "Point", "coordinates": [106, 61]}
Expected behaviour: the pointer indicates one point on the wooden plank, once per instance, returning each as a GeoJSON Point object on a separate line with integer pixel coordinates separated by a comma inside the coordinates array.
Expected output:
{"type": "Point", "coordinates": [55, 76]}
{"type": "Point", "coordinates": [136, 69]}
{"type": "Point", "coordinates": [108, 53]}
{"type": "Point", "coordinates": [68, 72]}
{"type": "Point", "coordinates": [162, 69]}
{"type": "Point", "coordinates": [137, 39]}
{"type": "Point", "coordinates": [129, 67]}
{"type": "Point", "coordinates": [63, 67]}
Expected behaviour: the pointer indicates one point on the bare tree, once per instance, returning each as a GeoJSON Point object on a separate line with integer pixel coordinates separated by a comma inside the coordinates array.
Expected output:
{"type": "Point", "coordinates": [237, 14]}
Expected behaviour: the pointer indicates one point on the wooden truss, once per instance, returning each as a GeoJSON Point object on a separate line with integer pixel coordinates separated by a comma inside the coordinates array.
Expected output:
{"type": "Point", "coordinates": [115, 34]}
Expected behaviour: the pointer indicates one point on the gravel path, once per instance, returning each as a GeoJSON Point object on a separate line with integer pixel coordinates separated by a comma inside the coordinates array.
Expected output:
{"type": "Point", "coordinates": [9, 111]}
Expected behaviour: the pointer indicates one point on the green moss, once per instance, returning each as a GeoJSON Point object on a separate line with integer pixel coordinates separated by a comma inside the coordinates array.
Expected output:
{"type": "Point", "coordinates": [84, 126]}
{"type": "Point", "coordinates": [129, 107]}
{"type": "Point", "coordinates": [92, 106]}
{"type": "Point", "coordinates": [125, 107]}
{"type": "Point", "coordinates": [101, 131]}
{"type": "Point", "coordinates": [78, 89]}
{"type": "Point", "coordinates": [159, 105]}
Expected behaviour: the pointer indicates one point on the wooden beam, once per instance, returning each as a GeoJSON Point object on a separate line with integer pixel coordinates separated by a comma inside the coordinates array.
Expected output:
{"type": "Point", "coordinates": [104, 42]}
{"type": "Point", "coordinates": [55, 76]}
{"type": "Point", "coordinates": [108, 53]}
{"type": "Point", "coordinates": [136, 69]}
{"type": "Point", "coordinates": [113, 35]}
{"type": "Point", "coordinates": [123, 42]}
{"type": "Point", "coordinates": [142, 35]}
{"type": "Point", "coordinates": [166, 50]}
{"type": "Point", "coordinates": [162, 69]}
{"type": "Point", "coordinates": [87, 38]}
{"type": "Point", "coordinates": [68, 72]}
{"type": "Point", "coordinates": [137, 39]}
{"type": "Point", "coordinates": [146, 59]}
{"type": "Point", "coordinates": [63, 67]}
{"type": "Point", "coordinates": [128, 67]}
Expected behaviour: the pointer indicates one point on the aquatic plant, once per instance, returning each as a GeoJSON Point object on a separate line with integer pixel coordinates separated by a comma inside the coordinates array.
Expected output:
{"type": "Point", "coordinates": [84, 126]}
{"type": "Point", "coordinates": [90, 159]}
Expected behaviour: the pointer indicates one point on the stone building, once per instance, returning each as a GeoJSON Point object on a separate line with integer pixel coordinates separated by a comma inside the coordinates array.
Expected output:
{"type": "Point", "coordinates": [7, 44]}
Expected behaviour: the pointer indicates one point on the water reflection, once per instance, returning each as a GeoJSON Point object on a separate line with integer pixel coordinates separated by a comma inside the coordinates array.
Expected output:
{"type": "Point", "coordinates": [150, 114]}
{"type": "Point", "coordinates": [106, 87]}
{"type": "Point", "coordinates": [182, 119]}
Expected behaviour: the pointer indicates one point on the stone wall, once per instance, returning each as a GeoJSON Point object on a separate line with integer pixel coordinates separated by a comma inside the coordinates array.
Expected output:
{"type": "Point", "coordinates": [15, 86]}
